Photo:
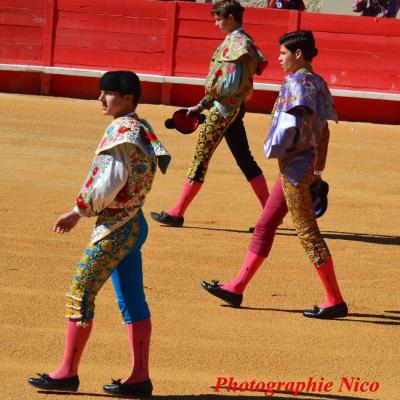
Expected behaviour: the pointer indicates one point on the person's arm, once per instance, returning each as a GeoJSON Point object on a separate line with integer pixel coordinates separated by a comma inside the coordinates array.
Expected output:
{"type": "Point", "coordinates": [66, 222]}
{"type": "Point", "coordinates": [204, 104]}
{"type": "Point", "coordinates": [106, 178]}
{"type": "Point", "coordinates": [104, 181]}
{"type": "Point", "coordinates": [286, 129]}
{"type": "Point", "coordinates": [282, 135]}
{"type": "Point", "coordinates": [229, 85]}
{"type": "Point", "coordinates": [236, 77]}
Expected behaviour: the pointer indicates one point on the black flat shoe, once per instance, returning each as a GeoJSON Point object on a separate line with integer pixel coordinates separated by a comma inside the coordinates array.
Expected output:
{"type": "Point", "coordinates": [139, 389]}
{"type": "Point", "coordinates": [166, 219]}
{"type": "Point", "coordinates": [47, 383]}
{"type": "Point", "coordinates": [214, 288]}
{"type": "Point", "coordinates": [338, 311]}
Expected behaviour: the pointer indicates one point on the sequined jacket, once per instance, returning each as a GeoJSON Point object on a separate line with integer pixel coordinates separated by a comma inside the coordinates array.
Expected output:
{"type": "Point", "coordinates": [121, 174]}
{"type": "Point", "coordinates": [299, 132]}
{"type": "Point", "coordinates": [230, 78]}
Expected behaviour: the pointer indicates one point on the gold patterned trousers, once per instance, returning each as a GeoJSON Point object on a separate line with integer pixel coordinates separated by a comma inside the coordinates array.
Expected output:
{"type": "Point", "coordinates": [299, 203]}
{"type": "Point", "coordinates": [117, 255]}
{"type": "Point", "coordinates": [285, 196]}
{"type": "Point", "coordinates": [210, 136]}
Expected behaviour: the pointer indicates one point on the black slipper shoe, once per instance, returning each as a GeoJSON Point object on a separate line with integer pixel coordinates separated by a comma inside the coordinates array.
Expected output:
{"type": "Point", "coordinates": [47, 383]}
{"type": "Point", "coordinates": [139, 389]}
{"type": "Point", "coordinates": [214, 288]}
{"type": "Point", "coordinates": [166, 219]}
{"type": "Point", "coordinates": [338, 311]}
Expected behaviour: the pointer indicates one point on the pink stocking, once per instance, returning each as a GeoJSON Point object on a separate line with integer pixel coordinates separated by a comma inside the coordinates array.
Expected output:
{"type": "Point", "coordinates": [327, 275]}
{"type": "Point", "coordinates": [75, 342]}
{"type": "Point", "coordinates": [189, 192]}
{"type": "Point", "coordinates": [260, 188]}
{"type": "Point", "coordinates": [250, 266]}
{"type": "Point", "coordinates": [139, 334]}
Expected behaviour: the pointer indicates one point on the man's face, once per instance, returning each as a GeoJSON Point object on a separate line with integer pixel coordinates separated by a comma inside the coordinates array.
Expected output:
{"type": "Point", "coordinates": [225, 24]}
{"type": "Point", "coordinates": [288, 60]}
{"type": "Point", "coordinates": [115, 104]}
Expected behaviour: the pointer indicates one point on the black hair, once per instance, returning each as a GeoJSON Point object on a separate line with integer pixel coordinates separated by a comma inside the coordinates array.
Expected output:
{"type": "Point", "coordinates": [123, 82]}
{"type": "Point", "coordinates": [303, 40]}
{"type": "Point", "coordinates": [223, 8]}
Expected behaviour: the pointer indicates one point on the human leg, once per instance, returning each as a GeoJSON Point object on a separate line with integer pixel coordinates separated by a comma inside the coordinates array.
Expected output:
{"type": "Point", "coordinates": [127, 280]}
{"type": "Point", "coordinates": [260, 188]}
{"type": "Point", "coordinates": [210, 136]}
{"type": "Point", "coordinates": [264, 234]}
{"type": "Point", "coordinates": [94, 268]}
{"type": "Point", "coordinates": [274, 211]}
{"type": "Point", "coordinates": [75, 343]}
{"type": "Point", "coordinates": [299, 201]}
{"type": "Point", "coordinates": [236, 139]}
{"type": "Point", "coordinates": [189, 192]}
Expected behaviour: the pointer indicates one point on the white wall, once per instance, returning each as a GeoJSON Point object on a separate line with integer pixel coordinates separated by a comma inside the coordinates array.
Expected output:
{"type": "Point", "coordinates": [337, 7]}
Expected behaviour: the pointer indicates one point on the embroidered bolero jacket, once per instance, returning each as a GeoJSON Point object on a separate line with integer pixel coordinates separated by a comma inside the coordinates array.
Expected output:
{"type": "Point", "coordinates": [121, 174]}
{"type": "Point", "coordinates": [230, 78]}
{"type": "Point", "coordinates": [299, 132]}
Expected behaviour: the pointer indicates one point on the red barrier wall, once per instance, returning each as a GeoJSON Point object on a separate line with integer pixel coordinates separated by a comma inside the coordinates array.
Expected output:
{"type": "Point", "coordinates": [22, 31]}
{"type": "Point", "coordinates": [178, 39]}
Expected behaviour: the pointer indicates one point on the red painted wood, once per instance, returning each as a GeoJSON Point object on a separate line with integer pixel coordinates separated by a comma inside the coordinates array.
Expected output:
{"type": "Point", "coordinates": [370, 81]}
{"type": "Point", "coordinates": [31, 4]}
{"type": "Point", "coordinates": [20, 54]}
{"type": "Point", "coordinates": [186, 96]}
{"type": "Point", "coordinates": [390, 46]}
{"type": "Point", "coordinates": [28, 35]}
{"type": "Point", "coordinates": [103, 24]}
{"type": "Point", "coordinates": [107, 59]}
{"type": "Point", "coordinates": [170, 39]}
{"type": "Point", "coordinates": [15, 82]}
{"type": "Point", "coordinates": [22, 16]}
{"type": "Point", "coordinates": [350, 24]}
{"type": "Point", "coordinates": [192, 56]}
{"type": "Point", "coordinates": [78, 38]}
{"type": "Point", "coordinates": [378, 111]}
{"type": "Point", "coordinates": [74, 86]}
{"type": "Point", "coordinates": [194, 29]}
{"type": "Point", "coordinates": [200, 12]}
{"type": "Point", "coordinates": [144, 8]}
{"type": "Point", "coordinates": [48, 33]}
{"type": "Point", "coordinates": [88, 88]}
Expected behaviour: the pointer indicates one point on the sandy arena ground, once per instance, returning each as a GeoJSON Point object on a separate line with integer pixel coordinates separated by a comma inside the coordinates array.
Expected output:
{"type": "Point", "coordinates": [46, 148]}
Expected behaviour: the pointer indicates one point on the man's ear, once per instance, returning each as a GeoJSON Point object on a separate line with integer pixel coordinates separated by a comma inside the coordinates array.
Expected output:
{"type": "Point", "coordinates": [298, 53]}
{"type": "Point", "coordinates": [129, 97]}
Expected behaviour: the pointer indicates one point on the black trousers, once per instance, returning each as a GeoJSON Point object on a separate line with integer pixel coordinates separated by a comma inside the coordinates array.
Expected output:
{"type": "Point", "coordinates": [236, 139]}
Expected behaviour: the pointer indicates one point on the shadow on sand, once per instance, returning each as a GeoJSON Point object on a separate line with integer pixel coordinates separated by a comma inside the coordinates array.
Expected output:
{"type": "Point", "coordinates": [334, 235]}
{"type": "Point", "coordinates": [380, 319]}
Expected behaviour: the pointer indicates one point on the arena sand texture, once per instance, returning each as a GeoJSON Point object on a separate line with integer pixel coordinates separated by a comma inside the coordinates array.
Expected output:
{"type": "Point", "coordinates": [47, 145]}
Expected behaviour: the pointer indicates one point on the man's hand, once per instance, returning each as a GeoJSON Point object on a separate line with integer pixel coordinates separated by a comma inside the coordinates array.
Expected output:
{"type": "Point", "coordinates": [66, 222]}
{"type": "Point", "coordinates": [192, 111]}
